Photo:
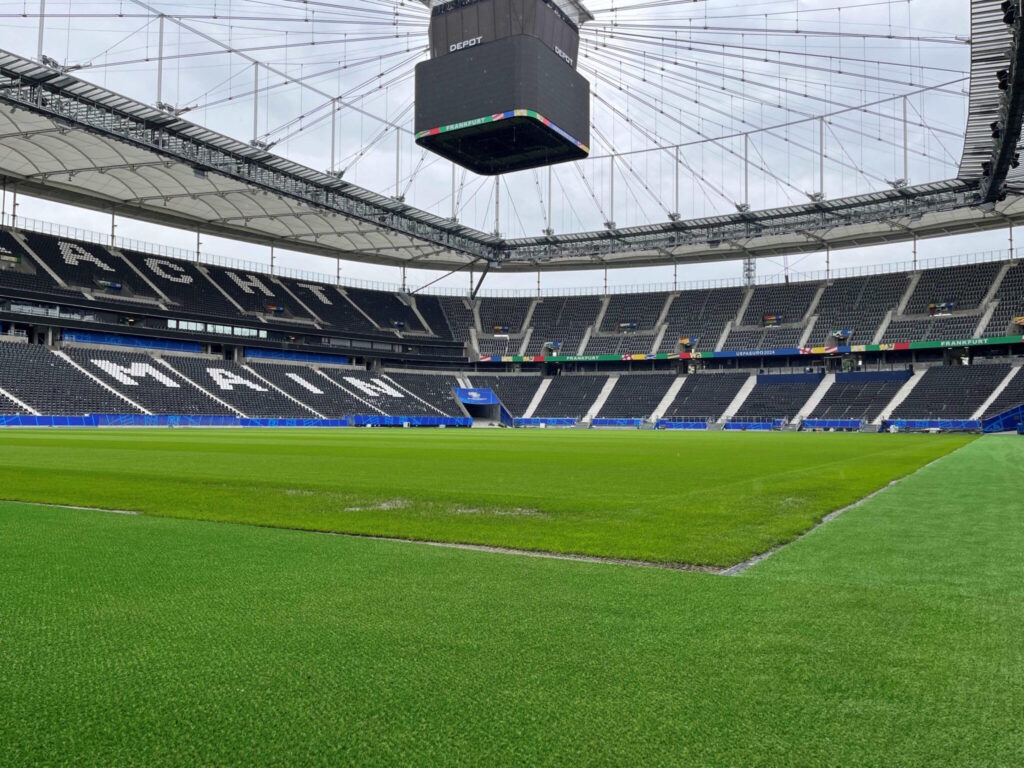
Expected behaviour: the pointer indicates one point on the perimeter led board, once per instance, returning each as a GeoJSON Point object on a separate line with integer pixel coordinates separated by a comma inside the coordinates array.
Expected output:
{"type": "Point", "coordinates": [500, 92]}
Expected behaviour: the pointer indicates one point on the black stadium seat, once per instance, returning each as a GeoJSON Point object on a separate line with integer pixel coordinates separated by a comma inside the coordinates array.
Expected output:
{"type": "Point", "coordinates": [51, 385]}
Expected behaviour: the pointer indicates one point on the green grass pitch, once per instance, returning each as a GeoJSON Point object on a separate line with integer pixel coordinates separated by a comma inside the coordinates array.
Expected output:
{"type": "Point", "coordinates": [703, 499]}
{"type": "Point", "coordinates": [889, 637]}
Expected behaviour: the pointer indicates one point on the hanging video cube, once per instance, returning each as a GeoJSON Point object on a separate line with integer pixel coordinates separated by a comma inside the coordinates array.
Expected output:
{"type": "Point", "coordinates": [500, 92]}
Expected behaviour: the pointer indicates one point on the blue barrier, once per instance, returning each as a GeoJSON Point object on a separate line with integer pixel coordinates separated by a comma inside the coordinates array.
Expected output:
{"type": "Point", "coordinates": [137, 342]}
{"type": "Point", "coordinates": [255, 353]}
{"type": "Point", "coordinates": [545, 422]}
{"type": "Point", "coordinates": [688, 426]}
{"type": "Point", "coordinates": [412, 421]}
{"type": "Point", "coordinates": [506, 418]}
{"type": "Point", "coordinates": [1007, 421]}
{"type": "Point", "coordinates": [293, 423]}
{"type": "Point", "coordinates": [622, 423]}
{"type": "Point", "coordinates": [944, 425]}
{"type": "Point", "coordinates": [754, 426]}
{"type": "Point", "coordinates": [47, 421]}
{"type": "Point", "coordinates": [837, 424]}
{"type": "Point", "coordinates": [139, 420]}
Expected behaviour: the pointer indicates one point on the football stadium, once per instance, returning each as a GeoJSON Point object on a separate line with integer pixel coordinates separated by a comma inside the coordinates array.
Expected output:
{"type": "Point", "coordinates": [511, 382]}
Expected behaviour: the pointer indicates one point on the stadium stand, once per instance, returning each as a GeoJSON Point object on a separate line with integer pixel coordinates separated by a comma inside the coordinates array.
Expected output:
{"type": "Point", "coordinates": [184, 284]}
{"type": "Point", "coordinates": [460, 316]}
{"type": "Point", "coordinates": [964, 287]}
{"type": "Point", "coordinates": [944, 305]}
{"type": "Point", "coordinates": [769, 338]}
{"type": "Point", "coordinates": [636, 396]}
{"type": "Point", "coordinates": [778, 396]}
{"type": "Point", "coordinates": [9, 408]}
{"type": "Point", "coordinates": [515, 392]}
{"type": "Point", "coordinates": [1011, 303]}
{"type": "Point", "coordinates": [640, 309]}
{"type": "Point", "coordinates": [51, 385]}
{"type": "Point", "coordinates": [569, 397]}
{"type": "Point", "coordinates": [430, 308]}
{"type": "Point", "coordinates": [705, 396]}
{"type": "Point", "coordinates": [89, 266]}
{"type": "Point", "coordinates": [861, 396]}
{"type": "Point", "coordinates": [938, 328]}
{"type": "Point", "coordinates": [437, 391]}
{"type": "Point", "coordinates": [258, 294]}
{"type": "Point", "coordinates": [228, 381]}
{"type": "Point", "coordinates": [788, 301]}
{"type": "Point", "coordinates": [700, 316]}
{"type": "Point", "coordinates": [19, 270]}
{"type": "Point", "coordinates": [331, 306]}
{"type": "Point", "coordinates": [389, 310]}
{"type": "Point", "coordinates": [507, 313]}
{"type": "Point", "coordinates": [564, 320]}
{"type": "Point", "coordinates": [620, 344]}
{"type": "Point", "coordinates": [857, 304]}
{"type": "Point", "coordinates": [490, 345]}
{"type": "Point", "coordinates": [378, 391]}
{"type": "Point", "coordinates": [1009, 398]}
{"type": "Point", "coordinates": [308, 386]}
{"type": "Point", "coordinates": [951, 392]}
{"type": "Point", "coordinates": [146, 382]}
{"type": "Point", "coordinates": [744, 339]}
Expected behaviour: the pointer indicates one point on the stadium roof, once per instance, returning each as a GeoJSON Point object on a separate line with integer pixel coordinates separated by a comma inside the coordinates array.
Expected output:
{"type": "Point", "coordinates": [65, 139]}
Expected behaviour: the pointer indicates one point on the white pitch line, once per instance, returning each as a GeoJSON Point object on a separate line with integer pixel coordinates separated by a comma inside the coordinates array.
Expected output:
{"type": "Point", "coordinates": [751, 562]}
{"type": "Point", "coordinates": [71, 506]}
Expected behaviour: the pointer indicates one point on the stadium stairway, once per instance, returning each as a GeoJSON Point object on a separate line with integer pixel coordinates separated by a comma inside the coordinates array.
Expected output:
{"type": "Point", "coordinates": [273, 386]}
{"type": "Point", "coordinates": [1014, 372]}
{"type": "Point", "coordinates": [668, 399]}
{"type": "Point", "coordinates": [63, 356]}
{"type": "Point", "coordinates": [816, 398]}
{"type": "Point", "coordinates": [537, 397]}
{"type": "Point", "coordinates": [602, 398]}
{"type": "Point", "coordinates": [740, 399]}
{"type": "Point", "coordinates": [20, 404]}
{"type": "Point", "coordinates": [900, 396]}
{"type": "Point", "coordinates": [206, 392]}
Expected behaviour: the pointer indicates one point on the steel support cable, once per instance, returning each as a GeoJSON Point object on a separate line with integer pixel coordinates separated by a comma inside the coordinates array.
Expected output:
{"type": "Point", "coordinates": [278, 85]}
{"type": "Point", "coordinates": [590, 189]}
{"type": "Point", "coordinates": [682, 161]}
{"type": "Point", "coordinates": [935, 134]}
{"type": "Point", "coordinates": [251, 49]}
{"type": "Point", "coordinates": [376, 84]}
{"type": "Point", "coordinates": [633, 93]}
{"type": "Point", "coordinates": [625, 179]}
{"type": "Point", "coordinates": [251, 60]}
{"type": "Point", "coordinates": [540, 194]}
{"type": "Point", "coordinates": [789, 12]}
{"type": "Point", "coordinates": [783, 32]}
{"type": "Point", "coordinates": [777, 126]}
{"type": "Point", "coordinates": [747, 57]}
{"type": "Point", "coordinates": [611, 146]}
{"type": "Point", "coordinates": [629, 57]}
{"type": "Point", "coordinates": [376, 140]}
{"type": "Point", "coordinates": [408, 181]}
